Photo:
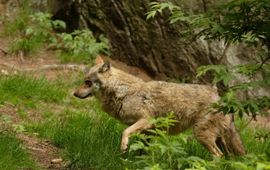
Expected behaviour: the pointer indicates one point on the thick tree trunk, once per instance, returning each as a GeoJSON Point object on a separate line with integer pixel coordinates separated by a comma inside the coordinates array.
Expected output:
{"type": "Point", "coordinates": [153, 45]}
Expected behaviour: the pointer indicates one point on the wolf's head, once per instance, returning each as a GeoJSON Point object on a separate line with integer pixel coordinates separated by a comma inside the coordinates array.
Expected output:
{"type": "Point", "coordinates": [92, 81]}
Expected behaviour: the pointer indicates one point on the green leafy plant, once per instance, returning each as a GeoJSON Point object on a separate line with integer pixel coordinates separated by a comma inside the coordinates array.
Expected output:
{"type": "Point", "coordinates": [158, 150]}
{"type": "Point", "coordinates": [13, 25]}
{"type": "Point", "coordinates": [38, 32]}
{"type": "Point", "coordinates": [80, 46]}
{"type": "Point", "coordinates": [31, 31]}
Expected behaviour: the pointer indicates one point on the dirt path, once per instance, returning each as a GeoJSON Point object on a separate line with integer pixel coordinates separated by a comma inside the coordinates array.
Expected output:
{"type": "Point", "coordinates": [43, 152]}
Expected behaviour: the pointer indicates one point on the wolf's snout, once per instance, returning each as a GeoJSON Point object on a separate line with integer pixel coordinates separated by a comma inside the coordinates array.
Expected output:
{"type": "Point", "coordinates": [76, 94]}
{"type": "Point", "coordinates": [83, 92]}
{"type": "Point", "coordinates": [80, 95]}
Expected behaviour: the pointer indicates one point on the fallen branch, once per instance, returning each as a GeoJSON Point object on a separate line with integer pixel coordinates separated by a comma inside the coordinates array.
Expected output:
{"type": "Point", "coordinates": [47, 67]}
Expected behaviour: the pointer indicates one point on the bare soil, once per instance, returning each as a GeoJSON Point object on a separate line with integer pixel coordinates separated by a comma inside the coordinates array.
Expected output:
{"type": "Point", "coordinates": [43, 152]}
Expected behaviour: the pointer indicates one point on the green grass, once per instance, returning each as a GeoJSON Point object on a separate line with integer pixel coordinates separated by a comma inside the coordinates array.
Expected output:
{"type": "Point", "coordinates": [14, 25]}
{"type": "Point", "coordinates": [29, 90]}
{"type": "Point", "coordinates": [27, 46]}
{"type": "Point", "coordinates": [253, 144]}
{"type": "Point", "coordinates": [91, 140]}
{"type": "Point", "coordinates": [12, 155]}
{"type": "Point", "coordinates": [83, 58]}
{"type": "Point", "coordinates": [81, 47]}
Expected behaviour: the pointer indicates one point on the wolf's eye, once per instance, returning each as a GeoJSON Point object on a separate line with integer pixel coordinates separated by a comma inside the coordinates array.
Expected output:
{"type": "Point", "coordinates": [88, 82]}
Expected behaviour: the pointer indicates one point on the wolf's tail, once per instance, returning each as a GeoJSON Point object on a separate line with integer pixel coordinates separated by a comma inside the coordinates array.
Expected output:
{"type": "Point", "coordinates": [233, 140]}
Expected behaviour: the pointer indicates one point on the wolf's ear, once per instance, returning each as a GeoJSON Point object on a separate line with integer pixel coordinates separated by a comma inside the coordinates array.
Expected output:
{"type": "Point", "coordinates": [99, 60]}
{"type": "Point", "coordinates": [105, 67]}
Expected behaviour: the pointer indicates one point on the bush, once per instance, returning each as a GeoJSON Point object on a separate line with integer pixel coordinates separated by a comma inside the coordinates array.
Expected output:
{"type": "Point", "coordinates": [38, 31]}
{"type": "Point", "coordinates": [80, 46]}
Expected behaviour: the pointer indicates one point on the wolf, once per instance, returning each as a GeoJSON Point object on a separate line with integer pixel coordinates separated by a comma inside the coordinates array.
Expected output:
{"type": "Point", "coordinates": [134, 102]}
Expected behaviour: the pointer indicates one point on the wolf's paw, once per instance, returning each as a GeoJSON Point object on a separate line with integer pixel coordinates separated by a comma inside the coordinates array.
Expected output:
{"type": "Point", "coordinates": [124, 148]}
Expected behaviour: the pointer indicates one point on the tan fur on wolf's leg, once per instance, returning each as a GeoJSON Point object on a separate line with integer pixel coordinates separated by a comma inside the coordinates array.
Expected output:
{"type": "Point", "coordinates": [212, 147]}
{"type": "Point", "coordinates": [224, 145]}
{"type": "Point", "coordinates": [139, 126]}
{"type": "Point", "coordinates": [207, 138]}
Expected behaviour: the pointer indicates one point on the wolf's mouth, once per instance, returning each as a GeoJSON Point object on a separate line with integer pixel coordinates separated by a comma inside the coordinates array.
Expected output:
{"type": "Point", "coordinates": [82, 97]}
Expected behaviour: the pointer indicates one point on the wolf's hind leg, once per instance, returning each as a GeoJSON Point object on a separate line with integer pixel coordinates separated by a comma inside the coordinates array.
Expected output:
{"type": "Point", "coordinates": [139, 126]}
{"type": "Point", "coordinates": [210, 144]}
{"type": "Point", "coordinates": [221, 143]}
{"type": "Point", "coordinates": [208, 139]}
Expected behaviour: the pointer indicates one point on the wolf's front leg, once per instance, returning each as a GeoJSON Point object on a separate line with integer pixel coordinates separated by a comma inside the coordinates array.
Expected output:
{"type": "Point", "coordinates": [140, 125]}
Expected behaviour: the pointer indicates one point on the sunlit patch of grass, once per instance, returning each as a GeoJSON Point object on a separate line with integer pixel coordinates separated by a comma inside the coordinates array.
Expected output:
{"type": "Point", "coordinates": [12, 155]}
{"type": "Point", "coordinates": [22, 89]}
